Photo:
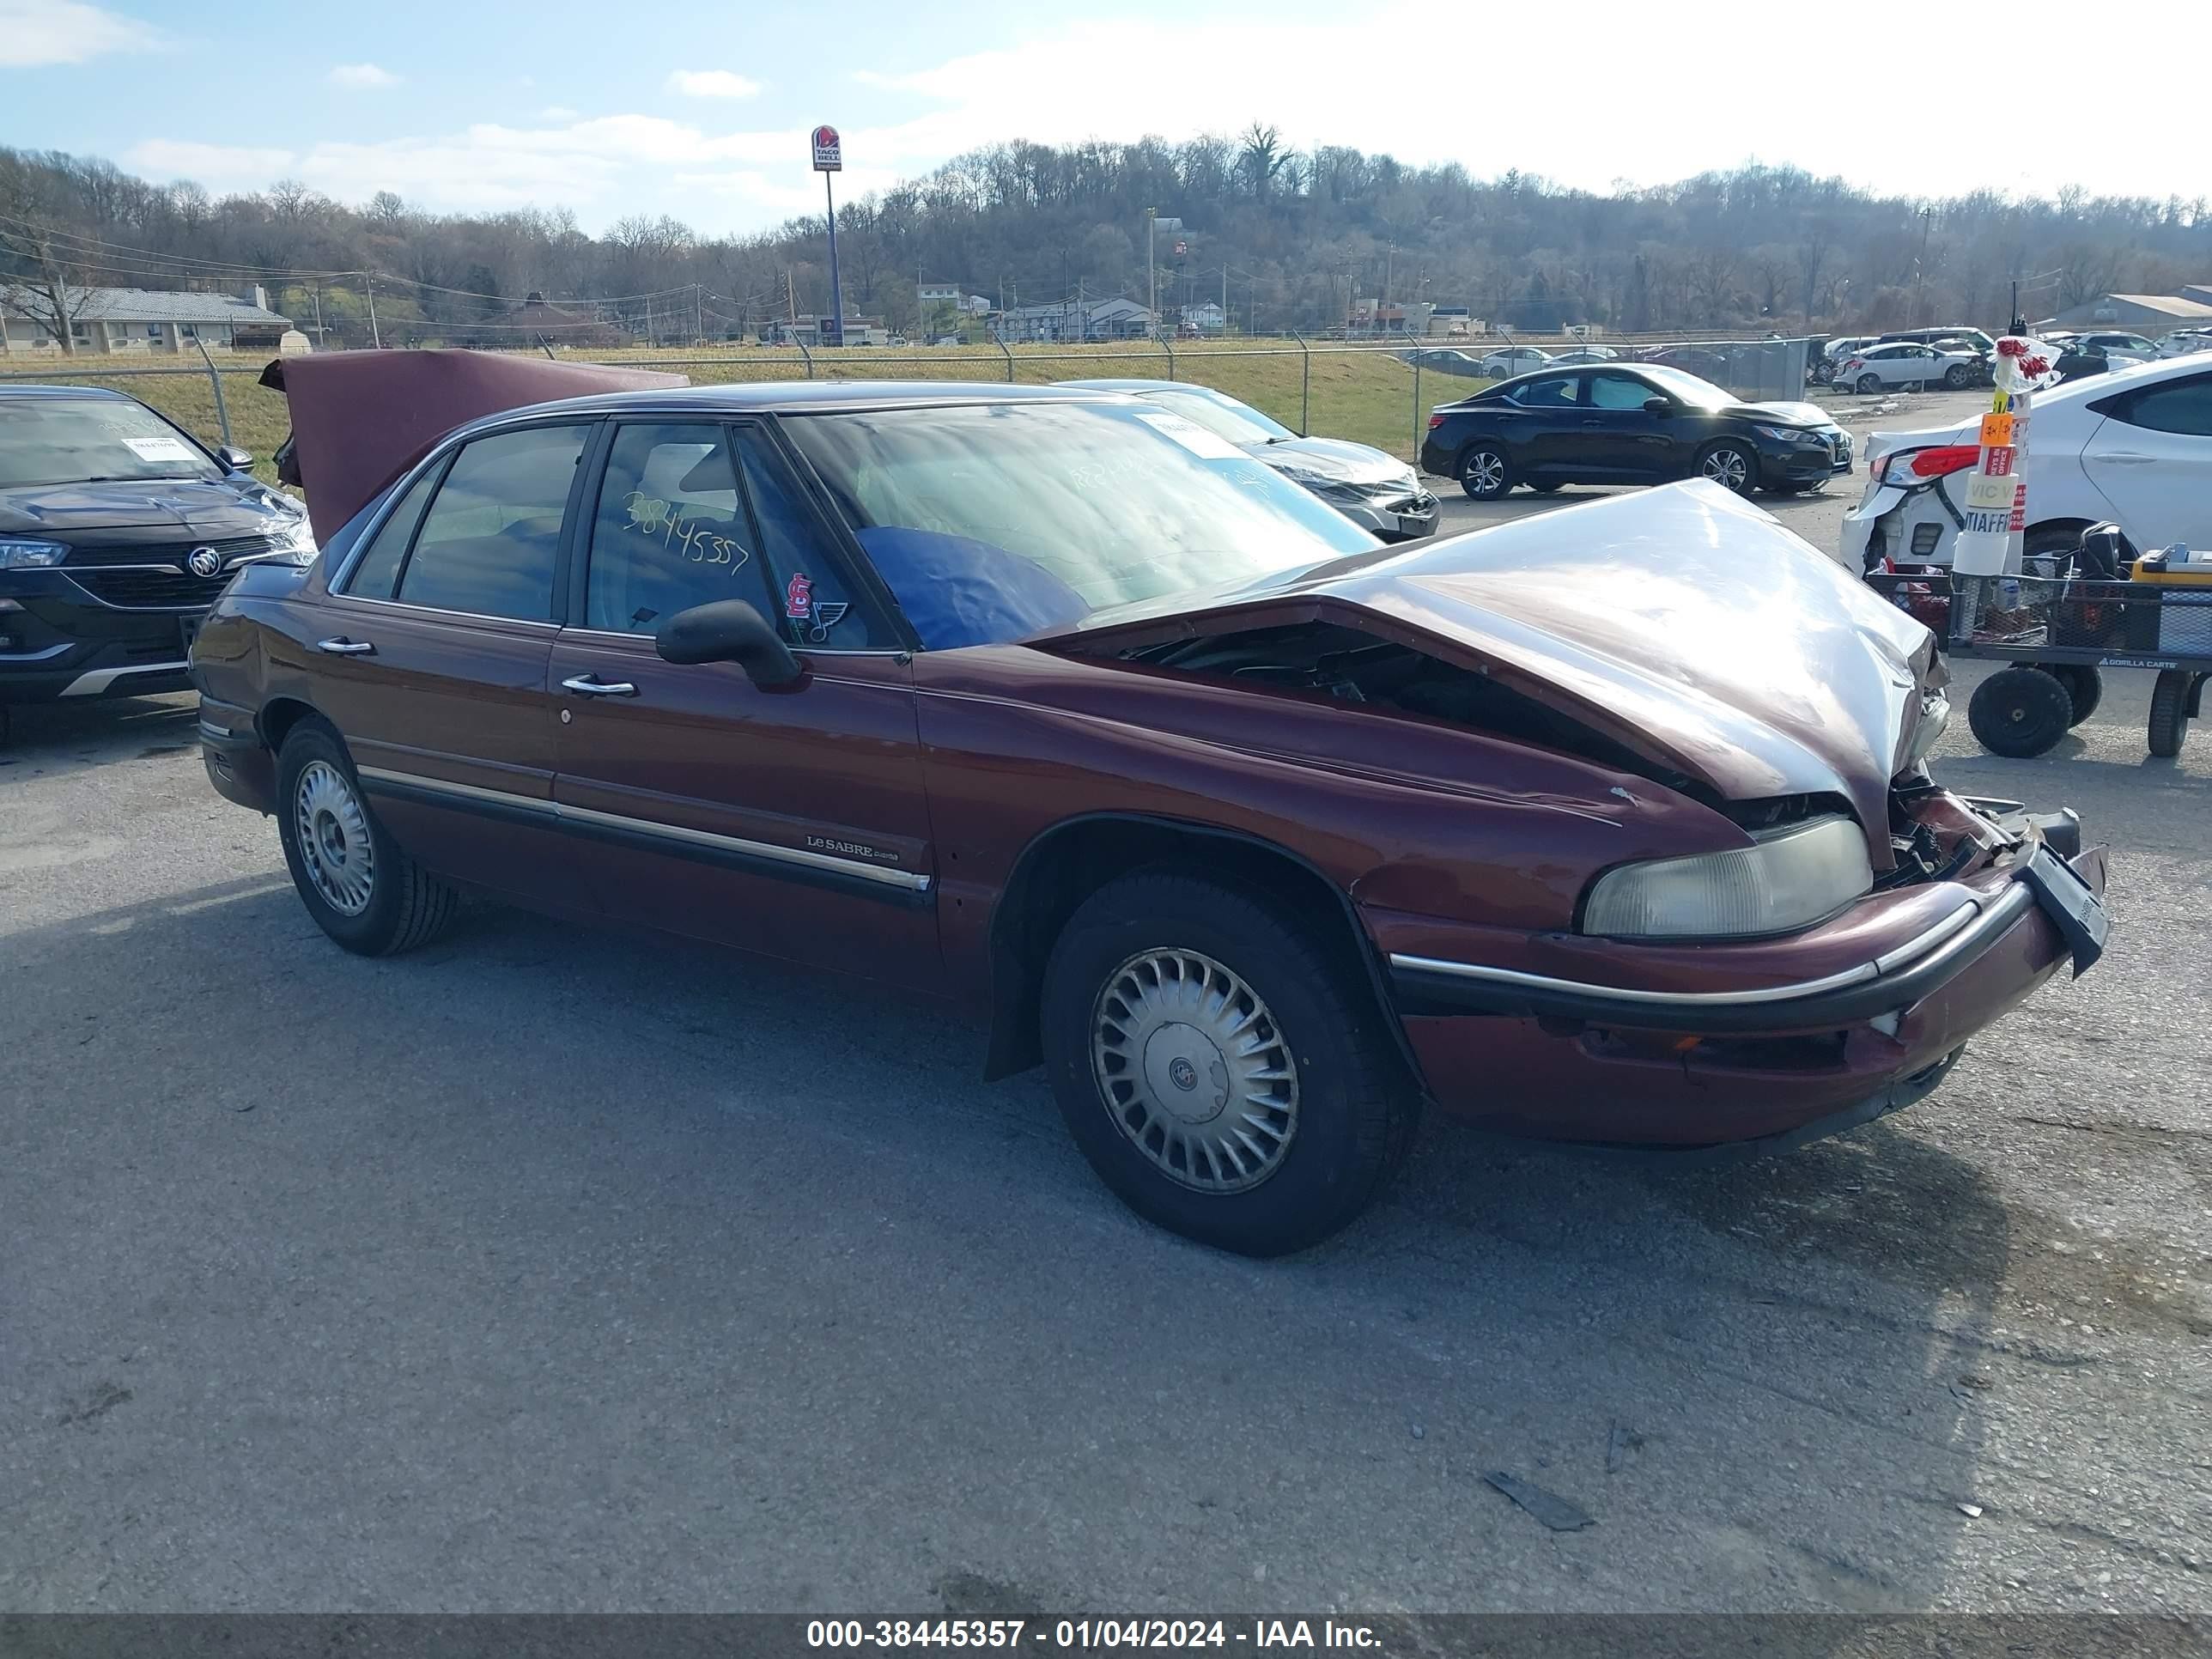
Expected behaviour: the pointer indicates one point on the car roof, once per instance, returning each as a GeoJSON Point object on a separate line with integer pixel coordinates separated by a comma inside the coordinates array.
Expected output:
{"type": "Point", "coordinates": [788, 397]}
{"type": "Point", "coordinates": [9, 390]}
{"type": "Point", "coordinates": [1137, 386]}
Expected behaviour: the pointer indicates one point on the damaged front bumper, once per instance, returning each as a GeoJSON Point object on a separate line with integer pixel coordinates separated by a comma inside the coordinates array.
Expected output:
{"type": "Point", "coordinates": [1771, 1058]}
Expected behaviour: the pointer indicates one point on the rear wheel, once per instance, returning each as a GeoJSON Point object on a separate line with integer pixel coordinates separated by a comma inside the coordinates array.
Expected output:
{"type": "Point", "coordinates": [1869, 385]}
{"type": "Point", "coordinates": [2085, 686]}
{"type": "Point", "coordinates": [1484, 473]}
{"type": "Point", "coordinates": [1222, 1069]}
{"type": "Point", "coordinates": [360, 889]}
{"type": "Point", "coordinates": [2019, 713]}
{"type": "Point", "coordinates": [2169, 712]}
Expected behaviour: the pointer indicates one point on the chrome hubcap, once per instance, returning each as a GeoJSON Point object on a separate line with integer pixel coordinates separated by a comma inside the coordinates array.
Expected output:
{"type": "Point", "coordinates": [1194, 1070]}
{"type": "Point", "coordinates": [1484, 471]}
{"type": "Point", "coordinates": [334, 841]}
{"type": "Point", "coordinates": [1728, 468]}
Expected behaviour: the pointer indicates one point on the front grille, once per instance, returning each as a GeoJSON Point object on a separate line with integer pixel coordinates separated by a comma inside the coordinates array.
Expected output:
{"type": "Point", "coordinates": [173, 553]}
{"type": "Point", "coordinates": [150, 590]}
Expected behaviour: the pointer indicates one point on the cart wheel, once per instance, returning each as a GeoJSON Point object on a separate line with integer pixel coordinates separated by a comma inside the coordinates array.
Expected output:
{"type": "Point", "coordinates": [2085, 686]}
{"type": "Point", "coordinates": [2019, 712]}
{"type": "Point", "coordinates": [2169, 712]}
{"type": "Point", "coordinates": [2195, 698]}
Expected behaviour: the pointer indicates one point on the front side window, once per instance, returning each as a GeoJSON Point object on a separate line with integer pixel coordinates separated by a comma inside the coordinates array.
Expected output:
{"type": "Point", "coordinates": [2182, 406]}
{"type": "Point", "coordinates": [995, 522]}
{"type": "Point", "coordinates": [492, 537]}
{"type": "Point", "coordinates": [671, 529]}
{"type": "Point", "coordinates": [1619, 391]}
{"type": "Point", "coordinates": [49, 440]}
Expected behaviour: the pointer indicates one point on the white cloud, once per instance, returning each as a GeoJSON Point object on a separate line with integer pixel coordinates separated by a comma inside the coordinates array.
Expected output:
{"type": "Point", "coordinates": [224, 166]}
{"type": "Point", "coordinates": [362, 77]}
{"type": "Point", "coordinates": [39, 32]}
{"type": "Point", "coordinates": [558, 112]}
{"type": "Point", "coordinates": [713, 83]}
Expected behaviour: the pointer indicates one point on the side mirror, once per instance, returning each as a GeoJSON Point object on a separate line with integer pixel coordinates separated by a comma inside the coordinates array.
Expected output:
{"type": "Point", "coordinates": [728, 631]}
{"type": "Point", "coordinates": [234, 459]}
{"type": "Point", "coordinates": [1658, 405]}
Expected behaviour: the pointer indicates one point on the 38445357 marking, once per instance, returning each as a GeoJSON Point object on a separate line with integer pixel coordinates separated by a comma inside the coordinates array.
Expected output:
{"type": "Point", "coordinates": [1083, 1633]}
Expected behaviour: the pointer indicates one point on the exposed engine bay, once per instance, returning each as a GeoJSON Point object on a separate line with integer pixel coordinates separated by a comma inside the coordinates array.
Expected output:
{"type": "Point", "coordinates": [1353, 666]}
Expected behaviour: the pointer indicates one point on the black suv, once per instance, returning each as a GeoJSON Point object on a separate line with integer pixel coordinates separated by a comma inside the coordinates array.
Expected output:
{"type": "Point", "coordinates": [1629, 423]}
{"type": "Point", "coordinates": [117, 529]}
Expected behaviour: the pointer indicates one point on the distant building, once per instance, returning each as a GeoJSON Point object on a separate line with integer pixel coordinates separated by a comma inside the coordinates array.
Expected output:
{"type": "Point", "coordinates": [2200, 292]}
{"type": "Point", "coordinates": [808, 329]}
{"type": "Point", "coordinates": [536, 320]}
{"type": "Point", "coordinates": [1207, 318]}
{"type": "Point", "coordinates": [108, 321]}
{"type": "Point", "coordinates": [2145, 312]}
{"type": "Point", "coordinates": [1096, 319]}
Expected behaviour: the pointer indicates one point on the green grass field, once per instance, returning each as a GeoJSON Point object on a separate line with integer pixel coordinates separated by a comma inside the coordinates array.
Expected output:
{"type": "Point", "coordinates": [1363, 394]}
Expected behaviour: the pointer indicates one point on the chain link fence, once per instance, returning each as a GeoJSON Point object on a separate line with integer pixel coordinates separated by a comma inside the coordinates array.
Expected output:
{"type": "Point", "coordinates": [1376, 393]}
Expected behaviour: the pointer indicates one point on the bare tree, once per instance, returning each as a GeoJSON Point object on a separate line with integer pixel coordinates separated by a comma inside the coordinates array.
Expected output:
{"type": "Point", "coordinates": [42, 277]}
{"type": "Point", "coordinates": [1814, 247]}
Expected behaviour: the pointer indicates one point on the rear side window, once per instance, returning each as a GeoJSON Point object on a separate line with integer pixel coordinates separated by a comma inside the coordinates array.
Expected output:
{"type": "Point", "coordinates": [490, 540]}
{"type": "Point", "coordinates": [1559, 393]}
{"type": "Point", "coordinates": [2182, 406]}
{"type": "Point", "coordinates": [378, 567]}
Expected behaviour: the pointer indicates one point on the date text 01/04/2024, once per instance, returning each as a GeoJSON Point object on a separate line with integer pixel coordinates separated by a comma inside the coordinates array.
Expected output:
{"type": "Point", "coordinates": [1291, 1634]}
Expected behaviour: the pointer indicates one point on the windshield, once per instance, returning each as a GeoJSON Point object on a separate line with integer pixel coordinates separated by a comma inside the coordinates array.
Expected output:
{"type": "Point", "coordinates": [1222, 416]}
{"type": "Point", "coordinates": [52, 440]}
{"type": "Point", "coordinates": [1687, 387]}
{"type": "Point", "coordinates": [995, 522]}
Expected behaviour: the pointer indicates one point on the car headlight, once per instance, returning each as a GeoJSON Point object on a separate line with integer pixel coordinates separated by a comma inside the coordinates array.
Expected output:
{"type": "Point", "coordinates": [17, 553]}
{"type": "Point", "coordinates": [1935, 720]}
{"type": "Point", "coordinates": [294, 544]}
{"type": "Point", "coordinates": [1787, 435]}
{"type": "Point", "coordinates": [1788, 878]}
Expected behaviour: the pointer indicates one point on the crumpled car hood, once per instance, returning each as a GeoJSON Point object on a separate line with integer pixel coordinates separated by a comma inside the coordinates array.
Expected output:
{"type": "Point", "coordinates": [1331, 457]}
{"type": "Point", "coordinates": [1682, 622]}
{"type": "Point", "coordinates": [213, 507]}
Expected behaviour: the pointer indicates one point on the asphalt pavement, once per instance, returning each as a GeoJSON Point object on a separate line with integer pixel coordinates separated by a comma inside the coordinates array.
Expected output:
{"type": "Point", "coordinates": [559, 1269]}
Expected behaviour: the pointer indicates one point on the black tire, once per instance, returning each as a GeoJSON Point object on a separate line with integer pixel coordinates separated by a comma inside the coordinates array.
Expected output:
{"type": "Point", "coordinates": [2085, 686]}
{"type": "Point", "coordinates": [2019, 713]}
{"type": "Point", "coordinates": [1545, 489]}
{"type": "Point", "coordinates": [1955, 377]}
{"type": "Point", "coordinates": [1732, 465]}
{"type": "Point", "coordinates": [1486, 473]}
{"type": "Point", "coordinates": [1355, 1108]}
{"type": "Point", "coordinates": [1787, 489]}
{"type": "Point", "coordinates": [1868, 384]}
{"type": "Point", "coordinates": [406, 906]}
{"type": "Point", "coordinates": [2169, 712]}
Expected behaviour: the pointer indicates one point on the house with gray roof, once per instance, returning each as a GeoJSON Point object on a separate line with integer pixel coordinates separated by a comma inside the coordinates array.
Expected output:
{"type": "Point", "coordinates": [108, 321]}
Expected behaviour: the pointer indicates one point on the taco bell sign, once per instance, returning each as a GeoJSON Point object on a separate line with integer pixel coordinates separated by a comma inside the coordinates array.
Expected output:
{"type": "Point", "coordinates": [829, 150]}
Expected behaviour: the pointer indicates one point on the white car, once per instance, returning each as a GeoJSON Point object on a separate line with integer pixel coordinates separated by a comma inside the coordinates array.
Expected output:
{"type": "Point", "coordinates": [1905, 363]}
{"type": "Point", "coordinates": [2134, 446]}
{"type": "Point", "coordinates": [2184, 341]}
{"type": "Point", "coordinates": [2121, 350]}
{"type": "Point", "coordinates": [1508, 360]}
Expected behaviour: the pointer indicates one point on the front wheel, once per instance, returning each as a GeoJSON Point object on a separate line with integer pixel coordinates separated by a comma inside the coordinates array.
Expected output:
{"type": "Point", "coordinates": [1955, 377]}
{"type": "Point", "coordinates": [1730, 465]}
{"type": "Point", "coordinates": [2019, 713]}
{"type": "Point", "coordinates": [1224, 1072]}
{"type": "Point", "coordinates": [1484, 473]}
{"type": "Point", "coordinates": [358, 885]}
{"type": "Point", "coordinates": [2085, 687]}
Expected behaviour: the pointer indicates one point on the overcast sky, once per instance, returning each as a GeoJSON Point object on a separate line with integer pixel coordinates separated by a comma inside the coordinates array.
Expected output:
{"type": "Point", "coordinates": [701, 110]}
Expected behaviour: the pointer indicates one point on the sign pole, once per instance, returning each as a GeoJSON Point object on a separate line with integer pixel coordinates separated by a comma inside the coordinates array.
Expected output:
{"type": "Point", "coordinates": [828, 158]}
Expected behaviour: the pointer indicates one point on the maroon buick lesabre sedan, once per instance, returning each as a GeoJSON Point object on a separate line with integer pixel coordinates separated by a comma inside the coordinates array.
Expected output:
{"type": "Point", "coordinates": [1608, 826]}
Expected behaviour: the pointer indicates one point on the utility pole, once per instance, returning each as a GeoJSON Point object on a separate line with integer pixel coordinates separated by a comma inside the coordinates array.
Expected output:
{"type": "Point", "coordinates": [790, 294]}
{"type": "Point", "coordinates": [375, 336]}
{"type": "Point", "coordinates": [1152, 270]}
{"type": "Point", "coordinates": [648, 320]}
{"type": "Point", "coordinates": [698, 316]}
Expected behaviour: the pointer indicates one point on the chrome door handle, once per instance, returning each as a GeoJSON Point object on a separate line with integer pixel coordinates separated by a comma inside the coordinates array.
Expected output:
{"type": "Point", "coordinates": [590, 685]}
{"type": "Point", "coordinates": [2124, 458]}
{"type": "Point", "coordinates": [342, 646]}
